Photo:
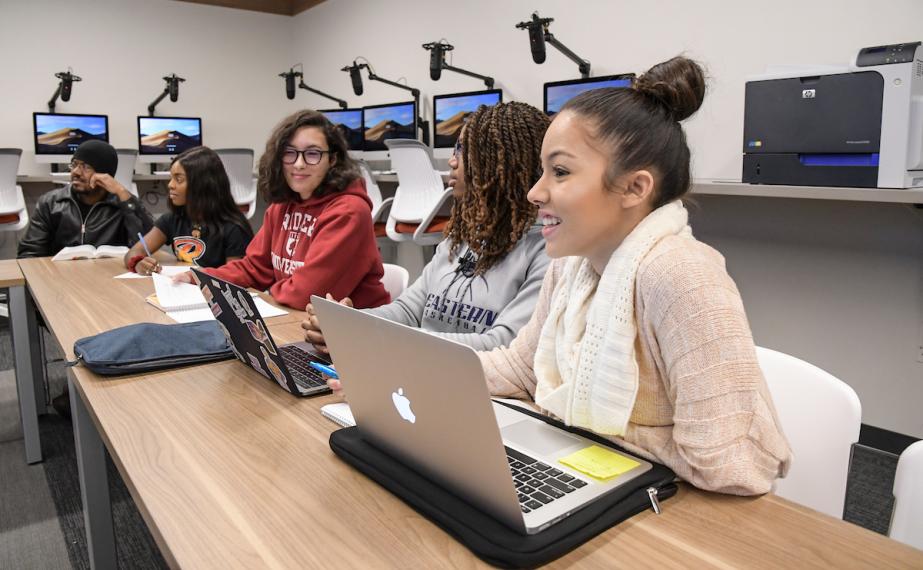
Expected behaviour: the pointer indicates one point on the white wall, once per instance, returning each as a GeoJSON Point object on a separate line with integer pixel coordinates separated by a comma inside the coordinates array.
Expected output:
{"type": "Point", "coordinates": [123, 48]}
{"type": "Point", "coordinates": [733, 39]}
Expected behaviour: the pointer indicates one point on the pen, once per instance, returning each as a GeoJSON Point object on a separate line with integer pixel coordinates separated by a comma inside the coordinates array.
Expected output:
{"type": "Point", "coordinates": [144, 245]}
{"type": "Point", "coordinates": [328, 370]}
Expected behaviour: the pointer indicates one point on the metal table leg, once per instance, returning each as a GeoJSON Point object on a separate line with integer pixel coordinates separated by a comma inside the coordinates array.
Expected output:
{"type": "Point", "coordinates": [28, 360]}
{"type": "Point", "coordinates": [94, 483]}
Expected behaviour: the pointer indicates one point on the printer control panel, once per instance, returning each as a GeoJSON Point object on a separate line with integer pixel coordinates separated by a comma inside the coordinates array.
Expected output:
{"type": "Point", "coordinates": [886, 55]}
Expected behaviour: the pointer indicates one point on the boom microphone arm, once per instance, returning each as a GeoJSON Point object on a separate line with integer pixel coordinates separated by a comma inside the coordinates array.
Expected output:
{"type": "Point", "coordinates": [172, 89]}
{"type": "Point", "coordinates": [438, 63]}
{"type": "Point", "coordinates": [413, 91]}
{"type": "Point", "coordinates": [340, 102]}
{"type": "Point", "coordinates": [539, 34]}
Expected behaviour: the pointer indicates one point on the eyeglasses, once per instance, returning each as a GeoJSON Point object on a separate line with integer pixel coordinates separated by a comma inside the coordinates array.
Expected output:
{"type": "Point", "coordinates": [311, 156]}
{"type": "Point", "coordinates": [459, 149]}
{"type": "Point", "coordinates": [77, 165]}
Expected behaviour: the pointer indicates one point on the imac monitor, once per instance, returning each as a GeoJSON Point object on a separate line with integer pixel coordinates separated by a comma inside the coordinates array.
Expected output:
{"type": "Point", "coordinates": [451, 111]}
{"type": "Point", "coordinates": [391, 121]}
{"type": "Point", "coordinates": [559, 92]}
{"type": "Point", "coordinates": [349, 121]}
{"type": "Point", "coordinates": [162, 138]}
{"type": "Point", "coordinates": [57, 135]}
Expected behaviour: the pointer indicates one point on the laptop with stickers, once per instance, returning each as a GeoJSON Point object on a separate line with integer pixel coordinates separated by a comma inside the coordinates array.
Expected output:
{"type": "Point", "coordinates": [247, 333]}
{"type": "Point", "coordinates": [424, 400]}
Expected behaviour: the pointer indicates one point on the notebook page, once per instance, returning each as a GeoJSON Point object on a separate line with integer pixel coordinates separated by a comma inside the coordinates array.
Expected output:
{"type": "Point", "coordinates": [177, 296]}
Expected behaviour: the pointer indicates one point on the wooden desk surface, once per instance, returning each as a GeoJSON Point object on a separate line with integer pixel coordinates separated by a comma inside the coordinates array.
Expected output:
{"type": "Point", "coordinates": [80, 298]}
{"type": "Point", "coordinates": [230, 471]}
{"type": "Point", "coordinates": [10, 274]}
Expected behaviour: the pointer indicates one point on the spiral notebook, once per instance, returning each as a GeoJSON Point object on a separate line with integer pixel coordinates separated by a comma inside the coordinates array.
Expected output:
{"type": "Point", "coordinates": [340, 413]}
{"type": "Point", "coordinates": [184, 302]}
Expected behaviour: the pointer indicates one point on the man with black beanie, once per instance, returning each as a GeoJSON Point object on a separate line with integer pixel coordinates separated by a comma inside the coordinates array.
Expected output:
{"type": "Point", "coordinates": [93, 209]}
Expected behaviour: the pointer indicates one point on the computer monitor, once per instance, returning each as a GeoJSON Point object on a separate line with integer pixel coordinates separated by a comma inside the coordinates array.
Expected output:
{"type": "Point", "coordinates": [160, 139]}
{"type": "Point", "coordinates": [559, 92]}
{"type": "Point", "coordinates": [57, 135]}
{"type": "Point", "coordinates": [451, 111]}
{"type": "Point", "coordinates": [349, 121]}
{"type": "Point", "coordinates": [383, 122]}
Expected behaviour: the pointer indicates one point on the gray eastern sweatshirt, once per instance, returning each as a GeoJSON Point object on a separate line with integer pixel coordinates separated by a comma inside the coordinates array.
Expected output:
{"type": "Point", "coordinates": [483, 312]}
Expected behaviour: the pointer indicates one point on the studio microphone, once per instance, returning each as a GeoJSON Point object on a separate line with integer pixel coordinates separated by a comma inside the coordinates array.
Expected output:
{"type": "Point", "coordinates": [537, 39]}
{"type": "Point", "coordinates": [289, 82]}
{"type": "Point", "coordinates": [173, 86]}
{"type": "Point", "coordinates": [435, 62]}
{"type": "Point", "coordinates": [356, 77]}
{"type": "Point", "coordinates": [67, 81]}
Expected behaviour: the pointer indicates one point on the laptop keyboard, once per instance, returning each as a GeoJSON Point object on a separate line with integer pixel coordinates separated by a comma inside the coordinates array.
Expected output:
{"type": "Point", "coordinates": [296, 360]}
{"type": "Point", "coordinates": [538, 484]}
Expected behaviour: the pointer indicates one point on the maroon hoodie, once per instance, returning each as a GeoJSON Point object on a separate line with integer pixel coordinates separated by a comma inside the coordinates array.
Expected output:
{"type": "Point", "coordinates": [314, 247]}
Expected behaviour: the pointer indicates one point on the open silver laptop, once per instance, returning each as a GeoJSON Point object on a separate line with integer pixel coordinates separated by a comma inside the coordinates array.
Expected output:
{"type": "Point", "coordinates": [424, 400]}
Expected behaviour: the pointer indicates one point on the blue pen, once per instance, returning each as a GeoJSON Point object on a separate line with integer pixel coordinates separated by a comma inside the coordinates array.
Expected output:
{"type": "Point", "coordinates": [144, 245]}
{"type": "Point", "coordinates": [328, 370]}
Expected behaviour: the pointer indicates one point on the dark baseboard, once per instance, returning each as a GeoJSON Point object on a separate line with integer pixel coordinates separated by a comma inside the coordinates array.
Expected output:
{"type": "Point", "coordinates": [885, 440]}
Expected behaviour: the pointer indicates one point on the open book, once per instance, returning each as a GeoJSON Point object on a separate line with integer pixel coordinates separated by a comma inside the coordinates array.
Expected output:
{"type": "Point", "coordinates": [88, 251]}
{"type": "Point", "coordinates": [184, 302]}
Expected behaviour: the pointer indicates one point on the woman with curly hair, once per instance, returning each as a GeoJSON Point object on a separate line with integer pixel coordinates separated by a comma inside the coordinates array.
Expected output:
{"type": "Point", "coordinates": [481, 286]}
{"type": "Point", "coordinates": [317, 236]}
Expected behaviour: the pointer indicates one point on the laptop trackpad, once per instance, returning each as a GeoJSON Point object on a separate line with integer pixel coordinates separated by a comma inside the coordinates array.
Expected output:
{"type": "Point", "coordinates": [539, 437]}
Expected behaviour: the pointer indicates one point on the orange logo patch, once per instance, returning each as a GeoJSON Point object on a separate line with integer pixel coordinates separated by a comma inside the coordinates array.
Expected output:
{"type": "Point", "coordinates": [188, 249]}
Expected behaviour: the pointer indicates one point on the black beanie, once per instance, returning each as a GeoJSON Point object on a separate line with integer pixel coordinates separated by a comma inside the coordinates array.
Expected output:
{"type": "Point", "coordinates": [98, 154]}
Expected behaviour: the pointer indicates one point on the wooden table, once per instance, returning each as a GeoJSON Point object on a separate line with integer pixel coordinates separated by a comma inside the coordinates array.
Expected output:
{"type": "Point", "coordinates": [229, 471]}
{"type": "Point", "coordinates": [83, 299]}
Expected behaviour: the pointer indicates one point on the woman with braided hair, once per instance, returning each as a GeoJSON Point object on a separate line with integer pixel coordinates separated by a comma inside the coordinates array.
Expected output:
{"type": "Point", "coordinates": [481, 286]}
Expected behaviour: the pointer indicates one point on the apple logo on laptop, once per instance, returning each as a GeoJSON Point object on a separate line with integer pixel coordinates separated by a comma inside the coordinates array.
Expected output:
{"type": "Point", "coordinates": [402, 403]}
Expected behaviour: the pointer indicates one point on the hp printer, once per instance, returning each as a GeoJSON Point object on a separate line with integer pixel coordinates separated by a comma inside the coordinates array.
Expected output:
{"type": "Point", "coordinates": [859, 126]}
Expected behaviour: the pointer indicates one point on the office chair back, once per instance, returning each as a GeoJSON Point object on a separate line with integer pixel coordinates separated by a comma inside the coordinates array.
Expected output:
{"type": "Point", "coordinates": [395, 279]}
{"type": "Point", "coordinates": [238, 163]}
{"type": "Point", "coordinates": [419, 186]}
{"type": "Point", "coordinates": [13, 214]}
{"type": "Point", "coordinates": [820, 415]}
{"type": "Point", "coordinates": [907, 519]}
{"type": "Point", "coordinates": [371, 185]}
{"type": "Point", "coordinates": [126, 170]}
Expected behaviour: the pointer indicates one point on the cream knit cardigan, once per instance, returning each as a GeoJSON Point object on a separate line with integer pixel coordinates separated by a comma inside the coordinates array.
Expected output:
{"type": "Point", "coordinates": [702, 406]}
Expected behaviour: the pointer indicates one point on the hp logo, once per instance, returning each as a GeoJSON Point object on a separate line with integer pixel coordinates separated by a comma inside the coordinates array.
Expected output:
{"type": "Point", "coordinates": [807, 94]}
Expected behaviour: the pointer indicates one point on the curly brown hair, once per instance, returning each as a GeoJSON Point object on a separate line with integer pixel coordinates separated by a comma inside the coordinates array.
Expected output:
{"type": "Point", "coordinates": [501, 149]}
{"type": "Point", "coordinates": [272, 183]}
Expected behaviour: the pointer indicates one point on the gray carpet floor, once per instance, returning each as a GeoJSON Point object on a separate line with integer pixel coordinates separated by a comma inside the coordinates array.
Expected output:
{"type": "Point", "coordinates": [41, 516]}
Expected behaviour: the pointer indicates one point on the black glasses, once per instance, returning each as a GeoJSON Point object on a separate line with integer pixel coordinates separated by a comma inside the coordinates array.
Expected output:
{"type": "Point", "coordinates": [311, 156]}
{"type": "Point", "coordinates": [459, 149]}
{"type": "Point", "coordinates": [77, 165]}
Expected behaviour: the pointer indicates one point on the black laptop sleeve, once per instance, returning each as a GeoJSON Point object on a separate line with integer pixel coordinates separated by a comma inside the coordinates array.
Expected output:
{"type": "Point", "coordinates": [486, 537]}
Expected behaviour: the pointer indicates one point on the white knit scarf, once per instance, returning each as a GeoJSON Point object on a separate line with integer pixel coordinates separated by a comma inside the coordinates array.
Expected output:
{"type": "Point", "coordinates": [585, 364]}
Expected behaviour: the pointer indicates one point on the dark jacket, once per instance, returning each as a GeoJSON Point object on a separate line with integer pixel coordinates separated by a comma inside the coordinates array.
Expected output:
{"type": "Point", "coordinates": [57, 223]}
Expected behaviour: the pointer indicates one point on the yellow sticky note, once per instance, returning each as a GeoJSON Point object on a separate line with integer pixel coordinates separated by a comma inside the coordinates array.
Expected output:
{"type": "Point", "coordinates": [599, 462]}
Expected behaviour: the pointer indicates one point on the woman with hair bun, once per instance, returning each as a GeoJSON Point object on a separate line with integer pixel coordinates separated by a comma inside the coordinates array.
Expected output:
{"type": "Point", "coordinates": [639, 333]}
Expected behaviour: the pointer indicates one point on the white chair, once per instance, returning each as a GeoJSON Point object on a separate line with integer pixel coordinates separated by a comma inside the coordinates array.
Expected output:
{"type": "Point", "coordinates": [238, 162]}
{"type": "Point", "coordinates": [420, 194]}
{"type": "Point", "coordinates": [126, 170]}
{"type": "Point", "coordinates": [13, 214]}
{"type": "Point", "coordinates": [907, 519]}
{"type": "Point", "coordinates": [395, 279]}
{"type": "Point", "coordinates": [380, 207]}
{"type": "Point", "coordinates": [820, 415]}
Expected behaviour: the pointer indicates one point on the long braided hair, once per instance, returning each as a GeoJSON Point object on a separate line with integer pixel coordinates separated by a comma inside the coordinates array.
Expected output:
{"type": "Point", "coordinates": [501, 150]}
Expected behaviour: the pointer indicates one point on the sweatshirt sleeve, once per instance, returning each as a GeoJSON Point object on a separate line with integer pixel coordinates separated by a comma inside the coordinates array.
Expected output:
{"type": "Point", "coordinates": [255, 268]}
{"type": "Point", "coordinates": [341, 254]}
{"type": "Point", "coordinates": [407, 309]}
{"type": "Point", "coordinates": [509, 370]}
{"type": "Point", "coordinates": [725, 435]}
{"type": "Point", "coordinates": [518, 311]}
